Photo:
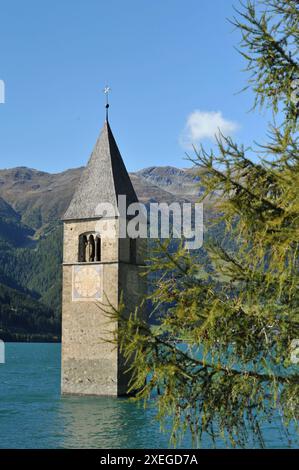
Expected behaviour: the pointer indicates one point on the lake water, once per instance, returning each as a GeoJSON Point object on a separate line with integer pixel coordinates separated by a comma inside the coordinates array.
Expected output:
{"type": "Point", "coordinates": [33, 414]}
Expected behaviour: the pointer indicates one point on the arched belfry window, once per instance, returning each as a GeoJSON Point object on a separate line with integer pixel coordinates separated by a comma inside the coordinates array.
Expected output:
{"type": "Point", "coordinates": [88, 248]}
{"type": "Point", "coordinates": [98, 248]}
{"type": "Point", "coordinates": [91, 248]}
{"type": "Point", "coordinates": [82, 248]}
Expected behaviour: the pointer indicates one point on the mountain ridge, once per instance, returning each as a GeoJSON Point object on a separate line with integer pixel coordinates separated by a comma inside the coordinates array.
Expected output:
{"type": "Point", "coordinates": [41, 198]}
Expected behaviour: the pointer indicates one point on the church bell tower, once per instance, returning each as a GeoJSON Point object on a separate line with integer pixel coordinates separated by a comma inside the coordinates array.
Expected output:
{"type": "Point", "coordinates": [98, 266]}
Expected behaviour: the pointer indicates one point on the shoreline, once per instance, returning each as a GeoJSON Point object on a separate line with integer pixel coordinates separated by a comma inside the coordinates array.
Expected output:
{"type": "Point", "coordinates": [28, 338]}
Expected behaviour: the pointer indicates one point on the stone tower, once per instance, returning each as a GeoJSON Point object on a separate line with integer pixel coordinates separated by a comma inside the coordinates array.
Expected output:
{"type": "Point", "coordinates": [98, 266]}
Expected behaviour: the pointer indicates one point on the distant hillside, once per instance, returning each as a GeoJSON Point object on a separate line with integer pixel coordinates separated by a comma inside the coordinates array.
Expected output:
{"type": "Point", "coordinates": [25, 318]}
{"type": "Point", "coordinates": [12, 229]}
{"type": "Point", "coordinates": [39, 198]}
{"type": "Point", "coordinates": [181, 183]}
{"type": "Point", "coordinates": [32, 203]}
{"type": "Point", "coordinates": [30, 284]}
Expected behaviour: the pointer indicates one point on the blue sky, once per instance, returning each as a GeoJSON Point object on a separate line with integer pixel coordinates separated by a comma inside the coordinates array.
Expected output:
{"type": "Point", "coordinates": [169, 63]}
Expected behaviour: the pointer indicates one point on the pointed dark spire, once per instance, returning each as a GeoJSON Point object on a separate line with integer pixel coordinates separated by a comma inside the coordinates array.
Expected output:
{"type": "Point", "coordinates": [103, 180]}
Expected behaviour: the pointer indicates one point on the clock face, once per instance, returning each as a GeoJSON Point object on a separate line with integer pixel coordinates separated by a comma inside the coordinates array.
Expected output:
{"type": "Point", "coordinates": [87, 282]}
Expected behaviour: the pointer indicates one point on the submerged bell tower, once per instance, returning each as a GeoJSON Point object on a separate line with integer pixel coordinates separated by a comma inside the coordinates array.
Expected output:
{"type": "Point", "coordinates": [99, 267]}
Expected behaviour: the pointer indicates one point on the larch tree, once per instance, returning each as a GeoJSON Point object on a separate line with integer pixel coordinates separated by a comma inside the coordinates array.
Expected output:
{"type": "Point", "coordinates": [218, 358]}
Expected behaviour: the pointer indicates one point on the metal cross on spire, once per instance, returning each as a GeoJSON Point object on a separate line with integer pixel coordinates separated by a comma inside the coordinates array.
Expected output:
{"type": "Point", "coordinates": [107, 90]}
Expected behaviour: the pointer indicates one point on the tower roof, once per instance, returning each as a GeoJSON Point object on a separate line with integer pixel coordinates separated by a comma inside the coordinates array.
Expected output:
{"type": "Point", "coordinates": [104, 178]}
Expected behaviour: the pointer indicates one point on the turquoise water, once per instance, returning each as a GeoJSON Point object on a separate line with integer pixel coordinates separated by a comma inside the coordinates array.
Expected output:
{"type": "Point", "coordinates": [33, 414]}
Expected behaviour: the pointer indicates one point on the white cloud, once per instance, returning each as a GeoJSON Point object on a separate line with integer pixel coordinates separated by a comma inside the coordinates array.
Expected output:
{"type": "Point", "coordinates": [206, 125]}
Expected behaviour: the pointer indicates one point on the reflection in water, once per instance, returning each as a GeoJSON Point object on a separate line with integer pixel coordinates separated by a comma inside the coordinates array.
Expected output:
{"type": "Point", "coordinates": [105, 422]}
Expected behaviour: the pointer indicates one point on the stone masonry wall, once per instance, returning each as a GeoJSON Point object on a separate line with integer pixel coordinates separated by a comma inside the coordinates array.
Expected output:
{"type": "Point", "coordinates": [91, 366]}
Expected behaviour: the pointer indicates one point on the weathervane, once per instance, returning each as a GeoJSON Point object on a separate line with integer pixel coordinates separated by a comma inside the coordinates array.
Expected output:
{"type": "Point", "coordinates": [107, 90]}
